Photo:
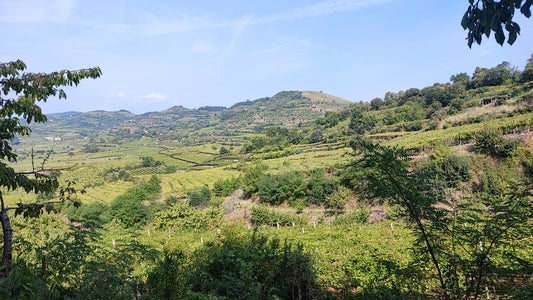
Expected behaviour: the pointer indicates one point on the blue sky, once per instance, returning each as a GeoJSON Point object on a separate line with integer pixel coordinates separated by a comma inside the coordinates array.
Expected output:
{"type": "Point", "coordinates": [157, 54]}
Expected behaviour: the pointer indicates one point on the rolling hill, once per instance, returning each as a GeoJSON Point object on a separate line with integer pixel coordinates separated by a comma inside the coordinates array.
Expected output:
{"type": "Point", "coordinates": [288, 108]}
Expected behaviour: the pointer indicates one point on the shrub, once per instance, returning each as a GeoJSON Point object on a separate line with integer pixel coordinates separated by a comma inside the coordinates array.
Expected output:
{"type": "Point", "coordinates": [276, 189]}
{"type": "Point", "coordinates": [91, 214]}
{"type": "Point", "coordinates": [447, 168]}
{"type": "Point", "coordinates": [222, 188]}
{"type": "Point", "coordinates": [148, 161]}
{"type": "Point", "coordinates": [455, 169]}
{"type": "Point", "coordinates": [164, 281]}
{"type": "Point", "coordinates": [262, 215]}
{"type": "Point", "coordinates": [170, 169]}
{"type": "Point", "coordinates": [128, 207]}
{"type": "Point", "coordinates": [356, 216]}
{"type": "Point", "coordinates": [336, 201]}
{"type": "Point", "coordinates": [492, 142]}
{"type": "Point", "coordinates": [223, 150]}
{"type": "Point", "coordinates": [250, 266]}
{"type": "Point", "coordinates": [251, 177]}
{"type": "Point", "coordinates": [318, 187]}
{"type": "Point", "coordinates": [200, 198]}
{"type": "Point", "coordinates": [182, 216]}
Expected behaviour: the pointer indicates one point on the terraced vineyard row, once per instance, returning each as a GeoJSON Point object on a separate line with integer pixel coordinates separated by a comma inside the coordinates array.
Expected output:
{"type": "Point", "coordinates": [107, 192]}
{"type": "Point", "coordinates": [461, 134]}
{"type": "Point", "coordinates": [182, 183]}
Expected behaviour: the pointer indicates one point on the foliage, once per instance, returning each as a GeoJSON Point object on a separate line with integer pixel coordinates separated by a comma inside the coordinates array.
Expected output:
{"type": "Point", "coordinates": [356, 216]}
{"type": "Point", "coordinates": [251, 178]}
{"type": "Point", "coordinates": [223, 150]}
{"type": "Point", "coordinates": [336, 201]}
{"type": "Point", "coordinates": [276, 189]}
{"type": "Point", "coordinates": [275, 139]}
{"type": "Point", "coordinates": [128, 207]}
{"type": "Point", "coordinates": [360, 121]}
{"type": "Point", "coordinates": [353, 258]}
{"type": "Point", "coordinates": [18, 104]}
{"type": "Point", "coordinates": [225, 187]}
{"type": "Point", "coordinates": [148, 161]}
{"type": "Point", "coordinates": [262, 215]}
{"type": "Point", "coordinates": [165, 281]}
{"type": "Point", "coordinates": [90, 214]}
{"type": "Point", "coordinates": [446, 166]}
{"type": "Point", "coordinates": [491, 17]}
{"type": "Point", "coordinates": [478, 228]}
{"type": "Point", "coordinates": [483, 77]}
{"type": "Point", "coordinates": [200, 198]}
{"type": "Point", "coordinates": [492, 142]}
{"type": "Point", "coordinates": [90, 147]}
{"type": "Point", "coordinates": [21, 284]}
{"type": "Point", "coordinates": [185, 217]}
{"type": "Point", "coordinates": [319, 187]}
{"type": "Point", "coordinates": [527, 74]}
{"type": "Point", "coordinates": [250, 266]}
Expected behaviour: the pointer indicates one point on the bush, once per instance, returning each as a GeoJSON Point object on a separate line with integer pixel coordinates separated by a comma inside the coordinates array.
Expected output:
{"type": "Point", "coordinates": [336, 201]}
{"type": "Point", "coordinates": [356, 216]}
{"type": "Point", "coordinates": [262, 215]}
{"type": "Point", "coordinates": [184, 217]}
{"type": "Point", "coordinates": [163, 281]}
{"type": "Point", "coordinates": [200, 198]}
{"type": "Point", "coordinates": [250, 266]}
{"type": "Point", "coordinates": [492, 142]}
{"type": "Point", "coordinates": [222, 188]}
{"type": "Point", "coordinates": [91, 214]}
{"type": "Point", "coordinates": [148, 161]}
{"type": "Point", "coordinates": [170, 169]}
{"type": "Point", "coordinates": [445, 166]}
{"type": "Point", "coordinates": [128, 207]}
{"type": "Point", "coordinates": [276, 189]}
{"type": "Point", "coordinates": [223, 150]}
{"type": "Point", "coordinates": [251, 177]}
{"type": "Point", "coordinates": [318, 187]}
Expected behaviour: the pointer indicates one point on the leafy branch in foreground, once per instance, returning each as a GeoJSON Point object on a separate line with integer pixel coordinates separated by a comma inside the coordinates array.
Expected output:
{"type": "Point", "coordinates": [494, 16]}
{"type": "Point", "coordinates": [20, 93]}
{"type": "Point", "coordinates": [460, 237]}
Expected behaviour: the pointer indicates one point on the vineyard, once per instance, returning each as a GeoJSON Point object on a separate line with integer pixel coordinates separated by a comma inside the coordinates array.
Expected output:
{"type": "Point", "coordinates": [403, 197]}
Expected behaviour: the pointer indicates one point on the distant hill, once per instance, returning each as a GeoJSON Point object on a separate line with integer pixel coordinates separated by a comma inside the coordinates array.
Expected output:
{"type": "Point", "coordinates": [288, 108]}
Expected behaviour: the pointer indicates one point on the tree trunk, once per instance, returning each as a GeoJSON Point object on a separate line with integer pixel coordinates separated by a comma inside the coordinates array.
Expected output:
{"type": "Point", "coordinates": [7, 256]}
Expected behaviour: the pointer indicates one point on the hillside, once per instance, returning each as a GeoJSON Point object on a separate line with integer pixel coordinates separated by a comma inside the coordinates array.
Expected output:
{"type": "Point", "coordinates": [371, 198]}
{"type": "Point", "coordinates": [195, 125]}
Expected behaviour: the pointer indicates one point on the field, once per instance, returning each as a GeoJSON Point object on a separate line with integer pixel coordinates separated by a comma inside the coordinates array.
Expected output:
{"type": "Point", "coordinates": [154, 201]}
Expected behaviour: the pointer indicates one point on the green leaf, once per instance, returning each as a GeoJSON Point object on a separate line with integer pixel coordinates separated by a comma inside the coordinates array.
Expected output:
{"type": "Point", "coordinates": [500, 37]}
{"type": "Point", "coordinates": [512, 37]}
{"type": "Point", "coordinates": [526, 11]}
{"type": "Point", "coordinates": [464, 21]}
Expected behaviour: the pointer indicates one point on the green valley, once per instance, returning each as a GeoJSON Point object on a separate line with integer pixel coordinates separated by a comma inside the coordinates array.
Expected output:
{"type": "Point", "coordinates": [423, 194]}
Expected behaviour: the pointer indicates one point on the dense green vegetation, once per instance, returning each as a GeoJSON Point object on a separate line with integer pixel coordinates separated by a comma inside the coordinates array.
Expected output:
{"type": "Point", "coordinates": [424, 193]}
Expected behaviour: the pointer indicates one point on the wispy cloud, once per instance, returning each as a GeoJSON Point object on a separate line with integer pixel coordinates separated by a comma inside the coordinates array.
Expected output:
{"type": "Point", "coordinates": [154, 25]}
{"type": "Point", "coordinates": [121, 94]}
{"type": "Point", "coordinates": [318, 9]}
{"type": "Point", "coordinates": [283, 47]}
{"type": "Point", "coordinates": [36, 11]}
{"type": "Point", "coordinates": [156, 96]}
{"type": "Point", "coordinates": [239, 27]}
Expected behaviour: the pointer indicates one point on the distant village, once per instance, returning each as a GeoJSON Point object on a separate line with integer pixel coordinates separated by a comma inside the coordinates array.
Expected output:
{"type": "Point", "coordinates": [50, 138]}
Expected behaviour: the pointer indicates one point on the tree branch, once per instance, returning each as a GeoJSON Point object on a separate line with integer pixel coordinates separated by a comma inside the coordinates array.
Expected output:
{"type": "Point", "coordinates": [42, 204]}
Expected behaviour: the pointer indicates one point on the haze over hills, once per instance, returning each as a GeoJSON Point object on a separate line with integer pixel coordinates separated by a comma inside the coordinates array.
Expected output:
{"type": "Point", "coordinates": [288, 108]}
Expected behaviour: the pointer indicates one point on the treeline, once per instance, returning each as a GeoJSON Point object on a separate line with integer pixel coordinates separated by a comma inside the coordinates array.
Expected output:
{"type": "Point", "coordinates": [405, 111]}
